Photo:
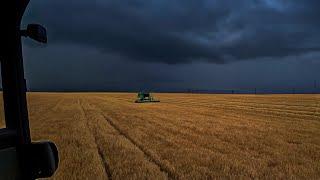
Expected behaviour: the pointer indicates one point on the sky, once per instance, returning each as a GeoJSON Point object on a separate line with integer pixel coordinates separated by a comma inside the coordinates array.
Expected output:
{"type": "Point", "coordinates": [173, 44]}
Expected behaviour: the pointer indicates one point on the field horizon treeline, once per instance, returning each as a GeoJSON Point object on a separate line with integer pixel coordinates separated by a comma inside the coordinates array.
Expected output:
{"type": "Point", "coordinates": [190, 90]}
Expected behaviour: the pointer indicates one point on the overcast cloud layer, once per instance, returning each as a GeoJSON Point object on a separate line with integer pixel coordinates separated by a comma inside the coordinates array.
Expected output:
{"type": "Point", "coordinates": [178, 33]}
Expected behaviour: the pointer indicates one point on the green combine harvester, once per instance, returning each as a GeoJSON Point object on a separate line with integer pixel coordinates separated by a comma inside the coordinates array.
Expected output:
{"type": "Point", "coordinates": [145, 97]}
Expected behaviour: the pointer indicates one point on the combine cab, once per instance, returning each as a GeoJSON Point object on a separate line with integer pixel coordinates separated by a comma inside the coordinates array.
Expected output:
{"type": "Point", "coordinates": [144, 97]}
{"type": "Point", "coordinates": [20, 157]}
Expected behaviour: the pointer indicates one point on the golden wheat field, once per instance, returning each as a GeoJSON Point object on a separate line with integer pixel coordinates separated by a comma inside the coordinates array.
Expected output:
{"type": "Point", "coordinates": [185, 136]}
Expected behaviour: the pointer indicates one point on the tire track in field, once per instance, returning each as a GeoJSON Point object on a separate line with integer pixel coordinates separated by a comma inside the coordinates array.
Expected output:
{"type": "Point", "coordinates": [104, 162]}
{"type": "Point", "coordinates": [52, 107]}
{"type": "Point", "coordinates": [157, 161]}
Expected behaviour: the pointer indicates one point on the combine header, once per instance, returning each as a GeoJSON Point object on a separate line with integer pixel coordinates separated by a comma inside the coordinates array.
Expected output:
{"type": "Point", "coordinates": [145, 97]}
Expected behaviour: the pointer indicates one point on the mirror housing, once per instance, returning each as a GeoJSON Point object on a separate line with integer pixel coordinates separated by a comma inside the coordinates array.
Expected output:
{"type": "Point", "coordinates": [40, 159]}
{"type": "Point", "coordinates": [35, 32]}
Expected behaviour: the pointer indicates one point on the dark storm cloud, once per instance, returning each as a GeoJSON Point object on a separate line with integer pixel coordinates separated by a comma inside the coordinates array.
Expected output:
{"type": "Point", "coordinates": [74, 67]}
{"type": "Point", "coordinates": [174, 31]}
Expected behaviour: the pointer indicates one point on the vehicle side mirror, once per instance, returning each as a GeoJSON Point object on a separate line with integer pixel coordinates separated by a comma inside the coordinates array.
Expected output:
{"type": "Point", "coordinates": [41, 159]}
{"type": "Point", "coordinates": [35, 32]}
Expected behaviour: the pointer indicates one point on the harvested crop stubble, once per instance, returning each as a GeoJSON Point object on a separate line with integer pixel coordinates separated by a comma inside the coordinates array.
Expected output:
{"type": "Point", "coordinates": [107, 135]}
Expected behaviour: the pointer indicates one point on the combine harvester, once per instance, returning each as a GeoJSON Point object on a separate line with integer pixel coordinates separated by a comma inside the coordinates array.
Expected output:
{"type": "Point", "coordinates": [145, 97]}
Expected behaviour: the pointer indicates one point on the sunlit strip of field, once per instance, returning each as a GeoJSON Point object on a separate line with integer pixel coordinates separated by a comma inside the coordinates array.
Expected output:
{"type": "Point", "coordinates": [185, 136]}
